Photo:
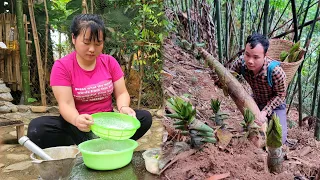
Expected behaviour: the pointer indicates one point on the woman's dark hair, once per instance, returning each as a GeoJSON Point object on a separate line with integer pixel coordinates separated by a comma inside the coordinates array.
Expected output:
{"type": "Point", "coordinates": [82, 22]}
{"type": "Point", "coordinates": [257, 38]}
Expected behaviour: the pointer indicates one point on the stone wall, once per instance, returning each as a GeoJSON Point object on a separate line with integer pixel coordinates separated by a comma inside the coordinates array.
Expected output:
{"type": "Point", "coordinates": [5, 99]}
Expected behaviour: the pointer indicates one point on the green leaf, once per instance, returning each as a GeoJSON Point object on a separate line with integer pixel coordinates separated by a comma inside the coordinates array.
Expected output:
{"type": "Point", "coordinates": [274, 132]}
{"type": "Point", "coordinates": [31, 100]}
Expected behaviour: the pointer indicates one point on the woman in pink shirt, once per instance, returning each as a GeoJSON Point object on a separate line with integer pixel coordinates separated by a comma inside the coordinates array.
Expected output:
{"type": "Point", "coordinates": [83, 83]}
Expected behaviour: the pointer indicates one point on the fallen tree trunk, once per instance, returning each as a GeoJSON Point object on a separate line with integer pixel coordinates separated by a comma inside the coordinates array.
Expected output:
{"type": "Point", "coordinates": [233, 87]}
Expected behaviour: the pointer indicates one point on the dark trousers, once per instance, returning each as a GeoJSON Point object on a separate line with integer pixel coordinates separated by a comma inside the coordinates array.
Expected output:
{"type": "Point", "coordinates": [52, 131]}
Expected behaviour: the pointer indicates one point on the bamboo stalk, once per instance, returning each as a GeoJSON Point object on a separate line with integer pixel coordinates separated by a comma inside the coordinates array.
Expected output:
{"type": "Point", "coordinates": [300, 67]}
{"type": "Point", "coordinates": [260, 20]}
{"type": "Point", "coordinates": [316, 87]}
{"type": "Point", "coordinates": [317, 127]}
{"type": "Point", "coordinates": [218, 20]}
{"type": "Point", "coordinates": [243, 22]}
{"type": "Point", "coordinates": [227, 31]}
{"type": "Point", "coordinates": [17, 70]}
{"type": "Point", "coordinates": [84, 7]}
{"type": "Point", "coordinates": [1, 20]}
{"type": "Point", "coordinates": [13, 69]}
{"type": "Point", "coordinates": [9, 67]}
{"type": "Point", "coordinates": [304, 19]}
{"type": "Point", "coordinates": [38, 54]}
{"type": "Point", "coordinates": [279, 18]}
{"type": "Point", "coordinates": [291, 19]}
{"type": "Point", "coordinates": [265, 17]}
{"type": "Point", "coordinates": [196, 37]}
{"type": "Point", "coordinates": [189, 20]}
{"type": "Point", "coordinates": [271, 17]}
{"type": "Point", "coordinates": [2, 56]}
{"type": "Point", "coordinates": [46, 41]}
{"type": "Point", "coordinates": [257, 15]}
{"type": "Point", "coordinates": [141, 80]}
{"type": "Point", "coordinates": [23, 55]}
{"type": "Point", "coordinates": [92, 6]}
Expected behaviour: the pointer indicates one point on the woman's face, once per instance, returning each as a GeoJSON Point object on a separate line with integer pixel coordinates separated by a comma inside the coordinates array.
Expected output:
{"type": "Point", "coordinates": [88, 50]}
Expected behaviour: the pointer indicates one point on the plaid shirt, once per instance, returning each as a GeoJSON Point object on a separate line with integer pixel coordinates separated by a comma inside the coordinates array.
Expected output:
{"type": "Point", "coordinates": [264, 95]}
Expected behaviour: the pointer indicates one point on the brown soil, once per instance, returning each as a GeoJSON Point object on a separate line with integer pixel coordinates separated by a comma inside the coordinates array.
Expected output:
{"type": "Point", "coordinates": [186, 75]}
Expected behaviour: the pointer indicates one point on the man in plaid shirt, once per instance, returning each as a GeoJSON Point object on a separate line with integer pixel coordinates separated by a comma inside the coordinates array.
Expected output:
{"type": "Point", "coordinates": [253, 66]}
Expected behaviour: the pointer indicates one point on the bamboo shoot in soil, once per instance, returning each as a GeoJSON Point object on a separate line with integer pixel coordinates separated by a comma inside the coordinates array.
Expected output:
{"type": "Point", "coordinates": [275, 159]}
{"type": "Point", "coordinates": [239, 95]}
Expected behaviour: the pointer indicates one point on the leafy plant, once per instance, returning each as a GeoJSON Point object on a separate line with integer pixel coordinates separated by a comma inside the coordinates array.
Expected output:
{"type": "Point", "coordinates": [274, 132]}
{"type": "Point", "coordinates": [187, 123]}
{"type": "Point", "coordinates": [218, 116]}
{"type": "Point", "coordinates": [31, 100]}
{"type": "Point", "coordinates": [248, 123]}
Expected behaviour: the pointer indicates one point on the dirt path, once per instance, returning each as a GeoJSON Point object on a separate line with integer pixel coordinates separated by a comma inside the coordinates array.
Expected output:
{"type": "Point", "coordinates": [186, 75]}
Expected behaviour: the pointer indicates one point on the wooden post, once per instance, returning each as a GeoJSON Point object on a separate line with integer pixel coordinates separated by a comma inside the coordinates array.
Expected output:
{"type": "Point", "coordinates": [20, 131]}
{"type": "Point", "coordinates": [38, 54]}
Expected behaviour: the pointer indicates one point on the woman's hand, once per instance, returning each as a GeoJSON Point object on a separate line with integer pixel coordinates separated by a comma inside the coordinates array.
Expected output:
{"type": "Point", "coordinates": [83, 122]}
{"type": "Point", "coordinates": [262, 118]}
{"type": "Point", "coordinates": [128, 110]}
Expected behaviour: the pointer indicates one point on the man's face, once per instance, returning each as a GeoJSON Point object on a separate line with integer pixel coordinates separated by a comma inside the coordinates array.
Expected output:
{"type": "Point", "coordinates": [254, 58]}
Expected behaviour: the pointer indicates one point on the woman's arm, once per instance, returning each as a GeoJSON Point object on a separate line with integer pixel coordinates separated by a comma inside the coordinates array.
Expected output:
{"type": "Point", "coordinates": [122, 97]}
{"type": "Point", "coordinates": [68, 110]}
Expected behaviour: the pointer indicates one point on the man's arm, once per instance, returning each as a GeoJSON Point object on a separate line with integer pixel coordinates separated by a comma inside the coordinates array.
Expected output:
{"type": "Point", "coordinates": [236, 66]}
{"type": "Point", "coordinates": [279, 89]}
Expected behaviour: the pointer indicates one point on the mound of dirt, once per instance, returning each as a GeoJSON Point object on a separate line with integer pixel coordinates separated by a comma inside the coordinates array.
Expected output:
{"type": "Point", "coordinates": [184, 74]}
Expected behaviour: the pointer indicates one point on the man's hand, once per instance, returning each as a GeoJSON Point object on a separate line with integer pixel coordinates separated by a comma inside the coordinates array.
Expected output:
{"type": "Point", "coordinates": [262, 118]}
{"type": "Point", "coordinates": [128, 110]}
{"type": "Point", "coordinates": [83, 122]}
{"type": "Point", "coordinates": [216, 80]}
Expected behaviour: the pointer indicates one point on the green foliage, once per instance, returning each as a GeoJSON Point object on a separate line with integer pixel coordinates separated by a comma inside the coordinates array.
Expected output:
{"type": "Point", "coordinates": [218, 116]}
{"type": "Point", "coordinates": [183, 110]}
{"type": "Point", "coordinates": [248, 123]}
{"type": "Point", "coordinates": [32, 100]}
{"type": "Point", "coordinates": [274, 132]}
{"type": "Point", "coordinates": [187, 122]}
{"type": "Point", "coordinates": [215, 105]}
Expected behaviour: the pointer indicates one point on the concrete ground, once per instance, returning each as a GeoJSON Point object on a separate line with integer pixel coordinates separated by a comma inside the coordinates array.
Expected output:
{"type": "Point", "coordinates": [15, 163]}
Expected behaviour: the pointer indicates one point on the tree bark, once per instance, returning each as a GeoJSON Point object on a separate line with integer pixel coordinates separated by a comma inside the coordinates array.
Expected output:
{"type": "Point", "coordinates": [23, 52]}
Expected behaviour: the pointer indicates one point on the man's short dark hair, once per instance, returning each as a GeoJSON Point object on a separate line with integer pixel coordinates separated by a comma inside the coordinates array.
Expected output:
{"type": "Point", "coordinates": [257, 38]}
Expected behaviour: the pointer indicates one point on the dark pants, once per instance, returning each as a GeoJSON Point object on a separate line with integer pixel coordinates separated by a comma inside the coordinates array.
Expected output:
{"type": "Point", "coordinates": [52, 131]}
{"type": "Point", "coordinates": [281, 113]}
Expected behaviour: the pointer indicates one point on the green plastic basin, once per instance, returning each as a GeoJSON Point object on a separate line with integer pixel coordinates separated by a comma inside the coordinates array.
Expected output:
{"type": "Point", "coordinates": [101, 154]}
{"type": "Point", "coordinates": [112, 125]}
